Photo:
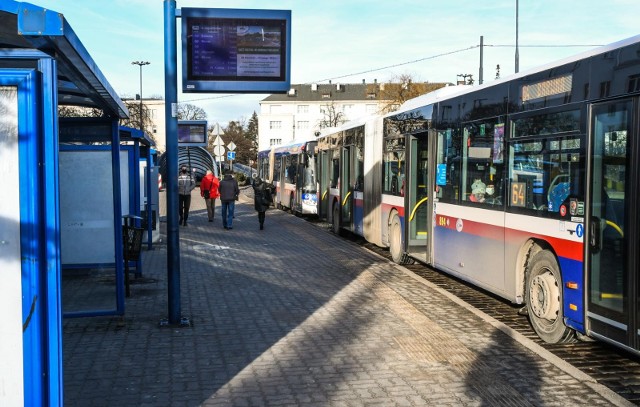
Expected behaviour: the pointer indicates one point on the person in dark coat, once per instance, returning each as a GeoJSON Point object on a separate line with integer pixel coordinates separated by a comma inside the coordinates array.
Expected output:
{"type": "Point", "coordinates": [186, 184]}
{"type": "Point", "coordinates": [262, 198]}
{"type": "Point", "coordinates": [229, 193]}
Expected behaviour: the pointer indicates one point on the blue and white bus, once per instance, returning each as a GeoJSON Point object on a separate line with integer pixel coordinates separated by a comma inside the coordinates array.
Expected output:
{"type": "Point", "coordinates": [524, 186]}
{"type": "Point", "coordinates": [292, 170]}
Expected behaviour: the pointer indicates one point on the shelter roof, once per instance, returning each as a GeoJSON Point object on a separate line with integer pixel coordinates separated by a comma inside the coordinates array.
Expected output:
{"type": "Point", "coordinates": [80, 81]}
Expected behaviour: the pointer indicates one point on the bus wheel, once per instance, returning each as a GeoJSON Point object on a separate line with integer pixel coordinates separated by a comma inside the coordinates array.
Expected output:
{"type": "Point", "coordinates": [335, 219]}
{"type": "Point", "coordinates": [544, 298]}
{"type": "Point", "coordinates": [395, 242]}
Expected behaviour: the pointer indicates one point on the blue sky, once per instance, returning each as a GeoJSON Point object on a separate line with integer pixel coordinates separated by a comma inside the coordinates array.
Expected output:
{"type": "Point", "coordinates": [349, 41]}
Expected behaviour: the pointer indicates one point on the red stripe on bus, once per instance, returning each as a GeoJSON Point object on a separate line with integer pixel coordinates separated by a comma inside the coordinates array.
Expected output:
{"type": "Point", "coordinates": [563, 248]}
{"type": "Point", "coordinates": [386, 208]}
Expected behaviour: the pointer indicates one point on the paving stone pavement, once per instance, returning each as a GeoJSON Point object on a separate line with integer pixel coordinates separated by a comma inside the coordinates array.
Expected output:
{"type": "Point", "coordinates": [295, 316]}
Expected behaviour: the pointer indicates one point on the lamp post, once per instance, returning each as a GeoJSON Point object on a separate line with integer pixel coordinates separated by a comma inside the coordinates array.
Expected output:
{"type": "Point", "coordinates": [517, 52]}
{"type": "Point", "coordinates": [140, 64]}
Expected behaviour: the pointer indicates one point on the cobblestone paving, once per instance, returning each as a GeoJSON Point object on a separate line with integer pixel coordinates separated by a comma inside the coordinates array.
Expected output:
{"type": "Point", "coordinates": [294, 316]}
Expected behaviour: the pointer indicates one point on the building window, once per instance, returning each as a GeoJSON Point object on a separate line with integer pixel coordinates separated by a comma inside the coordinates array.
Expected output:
{"type": "Point", "coordinates": [303, 124]}
{"type": "Point", "coordinates": [371, 108]}
{"type": "Point", "coordinates": [275, 141]}
{"type": "Point", "coordinates": [275, 125]}
{"type": "Point", "coordinates": [347, 108]}
{"type": "Point", "coordinates": [303, 108]}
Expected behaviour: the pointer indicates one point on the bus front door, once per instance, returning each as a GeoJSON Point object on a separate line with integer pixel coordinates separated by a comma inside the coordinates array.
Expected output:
{"type": "Point", "coordinates": [612, 276]}
{"type": "Point", "coordinates": [419, 207]}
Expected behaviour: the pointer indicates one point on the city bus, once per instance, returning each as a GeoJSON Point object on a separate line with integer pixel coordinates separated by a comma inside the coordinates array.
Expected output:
{"type": "Point", "coordinates": [521, 186]}
{"type": "Point", "coordinates": [292, 170]}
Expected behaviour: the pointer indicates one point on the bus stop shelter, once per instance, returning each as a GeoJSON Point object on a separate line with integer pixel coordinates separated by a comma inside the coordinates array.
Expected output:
{"type": "Point", "coordinates": [43, 64]}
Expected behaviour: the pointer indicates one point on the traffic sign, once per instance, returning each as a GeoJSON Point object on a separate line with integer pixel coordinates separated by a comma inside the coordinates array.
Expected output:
{"type": "Point", "coordinates": [231, 155]}
{"type": "Point", "coordinates": [218, 150]}
{"type": "Point", "coordinates": [231, 146]}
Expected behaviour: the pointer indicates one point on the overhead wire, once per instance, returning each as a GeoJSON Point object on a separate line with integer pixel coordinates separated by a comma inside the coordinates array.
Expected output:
{"type": "Point", "coordinates": [415, 61]}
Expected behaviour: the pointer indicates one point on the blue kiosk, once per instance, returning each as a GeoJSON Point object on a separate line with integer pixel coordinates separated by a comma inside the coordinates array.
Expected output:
{"type": "Point", "coordinates": [43, 65]}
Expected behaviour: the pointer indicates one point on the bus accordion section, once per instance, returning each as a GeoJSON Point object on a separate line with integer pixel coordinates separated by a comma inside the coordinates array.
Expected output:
{"type": "Point", "coordinates": [292, 170]}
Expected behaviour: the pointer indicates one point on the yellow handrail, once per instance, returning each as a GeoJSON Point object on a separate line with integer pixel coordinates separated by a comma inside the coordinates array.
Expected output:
{"type": "Point", "coordinates": [616, 227]}
{"type": "Point", "coordinates": [324, 195]}
{"type": "Point", "coordinates": [344, 201]}
{"type": "Point", "coordinates": [415, 208]}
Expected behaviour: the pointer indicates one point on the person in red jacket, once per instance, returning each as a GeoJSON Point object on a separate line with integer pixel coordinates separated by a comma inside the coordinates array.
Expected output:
{"type": "Point", "coordinates": [209, 191]}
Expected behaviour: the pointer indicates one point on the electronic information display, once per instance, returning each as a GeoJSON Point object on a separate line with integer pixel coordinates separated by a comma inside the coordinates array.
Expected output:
{"type": "Point", "coordinates": [192, 133]}
{"type": "Point", "coordinates": [233, 50]}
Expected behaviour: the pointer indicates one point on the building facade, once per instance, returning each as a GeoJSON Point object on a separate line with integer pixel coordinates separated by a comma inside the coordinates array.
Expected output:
{"type": "Point", "coordinates": [306, 109]}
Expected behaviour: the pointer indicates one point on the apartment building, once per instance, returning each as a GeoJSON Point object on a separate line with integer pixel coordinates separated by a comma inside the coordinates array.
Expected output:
{"type": "Point", "coordinates": [308, 108]}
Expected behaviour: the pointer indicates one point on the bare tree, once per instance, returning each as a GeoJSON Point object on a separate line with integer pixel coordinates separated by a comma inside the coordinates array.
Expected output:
{"type": "Point", "coordinates": [78, 111]}
{"type": "Point", "coordinates": [188, 111]}
{"type": "Point", "coordinates": [331, 116]}
{"type": "Point", "coordinates": [402, 88]}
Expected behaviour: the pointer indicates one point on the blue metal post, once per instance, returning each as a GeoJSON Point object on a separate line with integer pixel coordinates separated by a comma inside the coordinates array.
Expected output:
{"type": "Point", "coordinates": [171, 107]}
{"type": "Point", "coordinates": [149, 206]}
{"type": "Point", "coordinates": [117, 216]}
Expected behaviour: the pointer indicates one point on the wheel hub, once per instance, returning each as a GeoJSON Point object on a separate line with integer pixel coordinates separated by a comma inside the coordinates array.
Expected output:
{"type": "Point", "coordinates": [545, 296]}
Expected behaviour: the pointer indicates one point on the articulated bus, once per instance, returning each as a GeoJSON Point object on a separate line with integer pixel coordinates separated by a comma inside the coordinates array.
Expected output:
{"type": "Point", "coordinates": [292, 170]}
{"type": "Point", "coordinates": [524, 186]}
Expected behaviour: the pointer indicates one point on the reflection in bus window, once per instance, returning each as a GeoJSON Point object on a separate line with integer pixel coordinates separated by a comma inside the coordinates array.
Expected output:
{"type": "Point", "coordinates": [545, 175]}
{"type": "Point", "coordinates": [335, 172]}
{"type": "Point", "coordinates": [483, 162]}
{"type": "Point", "coordinates": [276, 170]}
{"type": "Point", "coordinates": [448, 165]}
{"type": "Point", "coordinates": [393, 164]}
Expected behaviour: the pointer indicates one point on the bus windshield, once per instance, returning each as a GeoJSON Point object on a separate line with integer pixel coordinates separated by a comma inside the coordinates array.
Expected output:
{"type": "Point", "coordinates": [309, 176]}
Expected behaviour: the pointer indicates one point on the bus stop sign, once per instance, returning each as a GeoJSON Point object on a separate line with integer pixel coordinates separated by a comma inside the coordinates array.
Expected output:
{"type": "Point", "coordinates": [231, 155]}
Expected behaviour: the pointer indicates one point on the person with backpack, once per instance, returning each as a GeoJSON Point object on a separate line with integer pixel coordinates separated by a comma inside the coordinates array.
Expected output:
{"type": "Point", "coordinates": [186, 184]}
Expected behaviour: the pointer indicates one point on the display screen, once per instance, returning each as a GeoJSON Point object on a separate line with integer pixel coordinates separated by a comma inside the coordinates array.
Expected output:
{"type": "Point", "coordinates": [192, 133]}
{"type": "Point", "coordinates": [227, 50]}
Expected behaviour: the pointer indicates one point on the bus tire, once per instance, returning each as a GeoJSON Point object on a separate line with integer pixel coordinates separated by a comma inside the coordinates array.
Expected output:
{"type": "Point", "coordinates": [544, 298]}
{"type": "Point", "coordinates": [335, 220]}
{"type": "Point", "coordinates": [395, 241]}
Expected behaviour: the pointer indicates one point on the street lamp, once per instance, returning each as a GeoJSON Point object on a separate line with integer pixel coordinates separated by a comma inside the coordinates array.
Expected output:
{"type": "Point", "coordinates": [517, 52]}
{"type": "Point", "coordinates": [140, 64]}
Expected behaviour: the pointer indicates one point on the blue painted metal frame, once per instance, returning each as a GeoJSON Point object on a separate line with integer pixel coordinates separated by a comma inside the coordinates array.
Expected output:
{"type": "Point", "coordinates": [39, 218]}
{"type": "Point", "coordinates": [32, 263]}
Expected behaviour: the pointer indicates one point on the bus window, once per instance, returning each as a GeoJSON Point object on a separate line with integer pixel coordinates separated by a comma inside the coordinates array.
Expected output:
{"type": "Point", "coordinates": [276, 170]}
{"type": "Point", "coordinates": [546, 174]}
{"type": "Point", "coordinates": [448, 165]}
{"type": "Point", "coordinates": [335, 170]}
{"type": "Point", "coordinates": [393, 165]}
{"type": "Point", "coordinates": [483, 162]}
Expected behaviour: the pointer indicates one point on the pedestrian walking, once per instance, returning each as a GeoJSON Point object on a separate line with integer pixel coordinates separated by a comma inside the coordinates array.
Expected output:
{"type": "Point", "coordinates": [262, 198]}
{"type": "Point", "coordinates": [229, 192]}
{"type": "Point", "coordinates": [209, 191]}
{"type": "Point", "coordinates": [186, 184]}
